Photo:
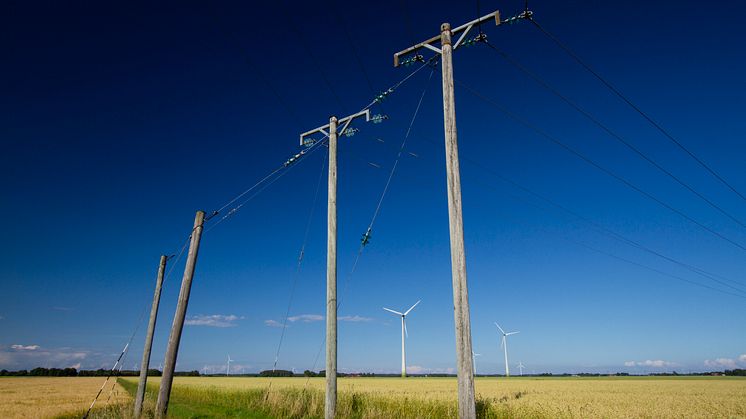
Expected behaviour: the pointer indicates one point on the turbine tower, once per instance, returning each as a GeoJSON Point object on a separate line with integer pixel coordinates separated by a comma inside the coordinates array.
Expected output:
{"type": "Point", "coordinates": [520, 367]}
{"type": "Point", "coordinates": [504, 344]}
{"type": "Point", "coordinates": [474, 361]}
{"type": "Point", "coordinates": [228, 366]}
{"type": "Point", "coordinates": [404, 334]}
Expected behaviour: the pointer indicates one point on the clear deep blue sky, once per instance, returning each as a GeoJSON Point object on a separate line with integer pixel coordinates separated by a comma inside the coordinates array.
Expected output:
{"type": "Point", "coordinates": [118, 122]}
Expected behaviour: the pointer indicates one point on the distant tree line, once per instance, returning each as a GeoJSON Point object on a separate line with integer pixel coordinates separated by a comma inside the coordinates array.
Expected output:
{"type": "Point", "coordinates": [737, 372]}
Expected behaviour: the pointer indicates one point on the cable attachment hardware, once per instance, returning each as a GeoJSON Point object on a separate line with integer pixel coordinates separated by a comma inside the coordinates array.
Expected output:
{"type": "Point", "coordinates": [366, 238]}
{"type": "Point", "coordinates": [308, 142]}
{"type": "Point", "coordinates": [294, 158]}
{"type": "Point", "coordinates": [378, 118]}
{"type": "Point", "coordinates": [413, 59]}
{"type": "Point", "coordinates": [209, 217]}
{"type": "Point", "coordinates": [350, 132]}
{"type": "Point", "coordinates": [526, 14]}
{"type": "Point", "coordinates": [482, 37]}
{"type": "Point", "coordinates": [381, 96]}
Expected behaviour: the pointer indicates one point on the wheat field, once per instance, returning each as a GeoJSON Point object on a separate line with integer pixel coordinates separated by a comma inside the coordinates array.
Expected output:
{"type": "Point", "coordinates": [416, 397]}
{"type": "Point", "coordinates": [47, 397]}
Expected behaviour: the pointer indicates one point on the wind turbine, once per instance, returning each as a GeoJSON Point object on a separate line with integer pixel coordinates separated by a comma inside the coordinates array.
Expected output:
{"type": "Point", "coordinates": [504, 344]}
{"type": "Point", "coordinates": [404, 334]}
{"type": "Point", "coordinates": [520, 367]}
{"type": "Point", "coordinates": [228, 367]}
{"type": "Point", "coordinates": [474, 361]}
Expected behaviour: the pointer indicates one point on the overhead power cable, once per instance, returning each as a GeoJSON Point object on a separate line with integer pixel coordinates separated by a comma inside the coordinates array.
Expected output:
{"type": "Point", "coordinates": [365, 240]}
{"type": "Point", "coordinates": [367, 235]}
{"type": "Point", "coordinates": [301, 254]}
{"type": "Point", "coordinates": [137, 327]}
{"type": "Point", "coordinates": [605, 231]}
{"type": "Point", "coordinates": [266, 182]}
{"type": "Point", "coordinates": [593, 163]}
{"type": "Point", "coordinates": [609, 131]}
{"type": "Point", "coordinates": [637, 109]}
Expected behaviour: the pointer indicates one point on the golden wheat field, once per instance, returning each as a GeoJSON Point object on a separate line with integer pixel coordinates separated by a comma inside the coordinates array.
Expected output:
{"type": "Point", "coordinates": [45, 397]}
{"type": "Point", "coordinates": [607, 397]}
{"type": "Point", "coordinates": [621, 397]}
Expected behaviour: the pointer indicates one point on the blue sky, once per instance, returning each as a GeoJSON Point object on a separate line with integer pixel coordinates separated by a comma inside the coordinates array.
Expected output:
{"type": "Point", "coordinates": [117, 124]}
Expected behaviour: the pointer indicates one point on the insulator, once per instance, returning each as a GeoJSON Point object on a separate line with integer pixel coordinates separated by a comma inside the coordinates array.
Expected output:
{"type": "Point", "coordinates": [377, 119]}
{"type": "Point", "coordinates": [309, 142]}
{"type": "Point", "coordinates": [349, 132]}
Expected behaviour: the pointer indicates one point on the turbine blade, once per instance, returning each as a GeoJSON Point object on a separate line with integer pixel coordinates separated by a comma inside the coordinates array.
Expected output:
{"type": "Point", "coordinates": [511, 333]}
{"type": "Point", "coordinates": [502, 342]}
{"type": "Point", "coordinates": [501, 329]}
{"type": "Point", "coordinates": [405, 329]}
{"type": "Point", "coordinates": [395, 312]}
{"type": "Point", "coordinates": [410, 308]}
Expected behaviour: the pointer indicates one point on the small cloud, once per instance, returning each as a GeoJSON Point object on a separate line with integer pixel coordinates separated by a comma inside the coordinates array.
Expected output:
{"type": "Point", "coordinates": [213, 320]}
{"type": "Point", "coordinates": [272, 323]}
{"type": "Point", "coordinates": [24, 348]}
{"type": "Point", "coordinates": [742, 358]}
{"type": "Point", "coordinates": [658, 363]}
{"type": "Point", "coordinates": [58, 308]}
{"type": "Point", "coordinates": [76, 366]}
{"type": "Point", "coordinates": [721, 363]}
{"type": "Point", "coordinates": [355, 319]}
{"type": "Point", "coordinates": [306, 318]}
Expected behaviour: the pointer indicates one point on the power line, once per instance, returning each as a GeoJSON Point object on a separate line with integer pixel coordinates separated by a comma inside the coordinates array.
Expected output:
{"type": "Point", "coordinates": [635, 107]}
{"type": "Point", "coordinates": [600, 228]}
{"type": "Point", "coordinates": [609, 131]}
{"type": "Point", "coordinates": [266, 183]}
{"type": "Point", "coordinates": [593, 163]}
{"type": "Point", "coordinates": [300, 262]}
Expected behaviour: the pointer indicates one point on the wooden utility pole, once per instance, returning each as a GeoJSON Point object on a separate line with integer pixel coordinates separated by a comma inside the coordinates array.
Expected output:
{"type": "Point", "coordinates": [145, 365]}
{"type": "Point", "coordinates": [464, 359]}
{"type": "Point", "coordinates": [331, 130]}
{"type": "Point", "coordinates": [174, 339]}
{"type": "Point", "coordinates": [330, 404]}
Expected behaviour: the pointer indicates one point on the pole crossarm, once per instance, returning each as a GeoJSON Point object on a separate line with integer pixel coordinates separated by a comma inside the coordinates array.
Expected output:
{"type": "Point", "coordinates": [463, 29]}
{"type": "Point", "coordinates": [343, 122]}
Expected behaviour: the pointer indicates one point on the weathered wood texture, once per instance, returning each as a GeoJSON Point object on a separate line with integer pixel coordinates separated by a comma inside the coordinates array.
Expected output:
{"type": "Point", "coordinates": [464, 361]}
{"type": "Point", "coordinates": [178, 325]}
{"type": "Point", "coordinates": [145, 364]}
{"type": "Point", "coordinates": [330, 406]}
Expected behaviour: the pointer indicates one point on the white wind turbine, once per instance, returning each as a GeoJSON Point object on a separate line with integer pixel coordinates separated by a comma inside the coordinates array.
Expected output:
{"type": "Point", "coordinates": [228, 366]}
{"type": "Point", "coordinates": [404, 334]}
{"type": "Point", "coordinates": [504, 344]}
{"type": "Point", "coordinates": [520, 367]}
{"type": "Point", "coordinates": [474, 361]}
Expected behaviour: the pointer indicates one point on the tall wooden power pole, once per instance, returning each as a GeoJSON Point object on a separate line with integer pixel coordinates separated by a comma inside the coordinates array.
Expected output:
{"type": "Point", "coordinates": [145, 365]}
{"type": "Point", "coordinates": [464, 360]}
{"type": "Point", "coordinates": [332, 130]}
{"type": "Point", "coordinates": [175, 338]}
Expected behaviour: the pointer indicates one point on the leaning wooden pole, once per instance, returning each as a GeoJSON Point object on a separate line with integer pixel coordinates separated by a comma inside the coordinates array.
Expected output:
{"type": "Point", "coordinates": [173, 341]}
{"type": "Point", "coordinates": [145, 365]}
{"type": "Point", "coordinates": [464, 361]}
{"type": "Point", "coordinates": [330, 405]}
